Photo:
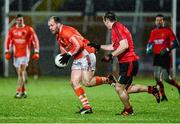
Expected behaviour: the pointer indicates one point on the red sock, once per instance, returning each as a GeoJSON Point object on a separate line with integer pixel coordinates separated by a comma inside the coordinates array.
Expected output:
{"type": "Point", "coordinates": [150, 89]}
{"type": "Point", "coordinates": [81, 94]}
{"type": "Point", "coordinates": [174, 83]}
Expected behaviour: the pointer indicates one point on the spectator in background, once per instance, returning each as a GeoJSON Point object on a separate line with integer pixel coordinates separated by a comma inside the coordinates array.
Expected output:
{"type": "Point", "coordinates": [162, 40]}
{"type": "Point", "coordinates": [21, 37]}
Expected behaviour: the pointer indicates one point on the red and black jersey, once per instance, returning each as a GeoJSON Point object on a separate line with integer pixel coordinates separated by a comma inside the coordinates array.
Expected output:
{"type": "Point", "coordinates": [161, 38]}
{"type": "Point", "coordinates": [119, 33]}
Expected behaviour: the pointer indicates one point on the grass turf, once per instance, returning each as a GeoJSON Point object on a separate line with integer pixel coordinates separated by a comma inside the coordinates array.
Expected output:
{"type": "Point", "coordinates": [52, 100]}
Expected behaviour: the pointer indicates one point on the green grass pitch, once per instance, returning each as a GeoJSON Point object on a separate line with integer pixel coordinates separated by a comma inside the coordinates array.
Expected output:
{"type": "Point", "coordinates": [52, 100]}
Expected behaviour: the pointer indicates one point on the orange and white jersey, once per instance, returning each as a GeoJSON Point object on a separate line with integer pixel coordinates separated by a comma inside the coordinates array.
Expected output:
{"type": "Point", "coordinates": [21, 38]}
{"type": "Point", "coordinates": [71, 41]}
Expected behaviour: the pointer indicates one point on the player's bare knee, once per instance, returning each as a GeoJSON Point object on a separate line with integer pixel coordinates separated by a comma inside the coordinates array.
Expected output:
{"type": "Point", "coordinates": [74, 83]}
{"type": "Point", "coordinates": [20, 73]}
{"type": "Point", "coordinates": [117, 88]}
{"type": "Point", "coordinates": [87, 84]}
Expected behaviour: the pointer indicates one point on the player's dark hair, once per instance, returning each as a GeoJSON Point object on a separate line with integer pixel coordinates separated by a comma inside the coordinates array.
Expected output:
{"type": "Point", "coordinates": [110, 15]}
{"type": "Point", "coordinates": [56, 19]}
{"type": "Point", "coordinates": [160, 15]}
{"type": "Point", "coordinates": [19, 16]}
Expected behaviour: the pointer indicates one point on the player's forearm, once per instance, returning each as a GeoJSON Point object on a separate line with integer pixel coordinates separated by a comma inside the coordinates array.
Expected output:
{"type": "Point", "coordinates": [7, 44]}
{"type": "Point", "coordinates": [76, 45]}
{"type": "Point", "coordinates": [175, 44]}
{"type": "Point", "coordinates": [122, 47]}
{"type": "Point", "coordinates": [62, 49]}
{"type": "Point", "coordinates": [74, 50]}
{"type": "Point", "coordinates": [36, 43]}
{"type": "Point", "coordinates": [119, 51]}
{"type": "Point", "coordinates": [36, 48]}
{"type": "Point", "coordinates": [108, 47]}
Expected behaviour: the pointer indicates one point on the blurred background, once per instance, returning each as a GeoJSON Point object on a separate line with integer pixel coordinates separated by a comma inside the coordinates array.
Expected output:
{"type": "Point", "coordinates": [86, 16]}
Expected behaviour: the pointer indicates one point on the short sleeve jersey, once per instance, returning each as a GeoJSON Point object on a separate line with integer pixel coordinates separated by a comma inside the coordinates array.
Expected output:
{"type": "Point", "coordinates": [119, 33]}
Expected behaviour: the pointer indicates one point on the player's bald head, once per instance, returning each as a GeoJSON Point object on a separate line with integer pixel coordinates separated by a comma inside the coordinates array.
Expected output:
{"type": "Point", "coordinates": [55, 18]}
{"type": "Point", "coordinates": [54, 24]}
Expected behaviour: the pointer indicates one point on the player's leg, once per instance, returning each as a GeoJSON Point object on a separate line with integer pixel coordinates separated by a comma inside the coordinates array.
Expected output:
{"type": "Point", "coordinates": [158, 75]}
{"type": "Point", "coordinates": [21, 71]}
{"type": "Point", "coordinates": [88, 70]}
{"type": "Point", "coordinates": [76, 76]}
{"type": "Point", "coordinates": [168, 78]}
{"type": "Point", "coordinates": [136, 88]}
{"type": "Point", "coordinates": [132, 69]}
{"type": "Point", "coordinates": [127, 71]}
{"type": "Point", "coordinates": [21, 65]}
{"type": "Point", "coordinates": [89, 80]}
{"type": "Point", "coordinates": [24, 78]}
{"type": "Point", "coordinates": [121, 87]}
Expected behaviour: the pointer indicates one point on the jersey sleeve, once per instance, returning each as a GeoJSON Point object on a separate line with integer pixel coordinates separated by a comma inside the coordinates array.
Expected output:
{"type": "Point", "coordinates": [174, 43]}
{"type": "Point", "coordinates": [8, 41]}
{"type": "Point", "coordinates": [172, 36]}
{"type": "Point", "coordinates": [34, 40]}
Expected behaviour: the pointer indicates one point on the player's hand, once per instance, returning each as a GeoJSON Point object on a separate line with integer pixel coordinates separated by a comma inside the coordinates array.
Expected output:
{"type": "Point", "coordinates": [107, 58]}
{"type": "Point", "coordinates": [148, 51]}
{"type": "Point", "coordinates": [65, 58]}
{"type": "Point", "coordinates": [164, 51]}
{"type": "Point", "coordinates": [95, 45]}
{"type": "Point", "coordinates": [8, 55]}
{"type": "Point", "coordinates": [149, 48]}
{"type": "Point", "coordinates": [35, 56]}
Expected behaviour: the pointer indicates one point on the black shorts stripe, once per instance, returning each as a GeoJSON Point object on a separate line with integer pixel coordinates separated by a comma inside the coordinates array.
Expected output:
{"type": "Point", "coordinates": [130, 68]}
{"type": "Point", "coordinates": [127, 70]}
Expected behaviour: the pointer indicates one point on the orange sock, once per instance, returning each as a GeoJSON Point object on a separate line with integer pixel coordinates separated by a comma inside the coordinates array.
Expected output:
{"type": "Point", "coordinates": [23, 89]}
{"type": "Point", "coordinates": [81, 94]}
{"type": "Point", "coordinates": [100, 80]}
{"type": "Point", "coordinates": [18, 90]}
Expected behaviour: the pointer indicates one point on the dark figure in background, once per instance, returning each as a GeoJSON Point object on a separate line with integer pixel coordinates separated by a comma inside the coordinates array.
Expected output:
{"type": "Point", "coordinates": [162, 40]}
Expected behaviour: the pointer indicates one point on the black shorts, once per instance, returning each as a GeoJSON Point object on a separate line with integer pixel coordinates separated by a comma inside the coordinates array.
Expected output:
{"type": "Point", "coordinates": [127, 70]}
{"type": "Point", "coordinates": [162, 61]}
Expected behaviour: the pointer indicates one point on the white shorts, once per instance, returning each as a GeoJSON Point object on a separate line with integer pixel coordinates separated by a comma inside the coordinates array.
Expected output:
{"type": "Point", "coordinates": [20, 61]}
{"type": "Point", "coordinates": [88, 62]}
